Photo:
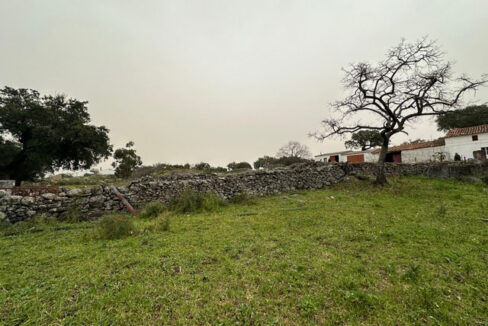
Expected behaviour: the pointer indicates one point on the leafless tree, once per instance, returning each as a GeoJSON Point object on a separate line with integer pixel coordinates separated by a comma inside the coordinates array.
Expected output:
{"type": "Point", "coordinates": [294, 149]}
{"type": "Point", "coordinates": [413, 81]}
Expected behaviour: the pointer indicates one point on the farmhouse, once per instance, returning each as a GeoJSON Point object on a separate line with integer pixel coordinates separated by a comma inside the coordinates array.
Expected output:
{"type": "Point", "coordinates": [417, 152]}
{"type": "Point", "coordinates": [468, 143]}
{"type": "Point", "coordinates": [333, 157]}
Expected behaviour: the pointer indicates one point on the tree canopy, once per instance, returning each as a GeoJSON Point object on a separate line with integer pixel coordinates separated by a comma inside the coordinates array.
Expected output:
{"type": "Point", "coordinates": [267, 162]}
{"type": "Point", "coordinates": [126, 160]}
{"type": "Point", "coordinates": [40, 134]}
{"type": "Point", "coordinates": [413, 81]}
{"type": "Point", "coordinates": [470, 116]}
{"type": "Point", "coordinates": [239, 166]}
{"type": "Point", "coordinates": [364, 139]}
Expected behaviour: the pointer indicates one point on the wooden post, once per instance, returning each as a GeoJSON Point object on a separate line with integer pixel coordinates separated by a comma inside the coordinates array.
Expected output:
{"type": "Point", "coordinates": [123, 200]}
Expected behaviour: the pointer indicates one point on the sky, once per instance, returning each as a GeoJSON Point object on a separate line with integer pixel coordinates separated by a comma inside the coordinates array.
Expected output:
{"type": "Point", "coordinates": [222, 81]}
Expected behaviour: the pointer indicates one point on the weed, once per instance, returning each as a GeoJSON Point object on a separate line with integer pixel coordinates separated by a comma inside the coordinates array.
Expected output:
{"type": "Point", "coordinates": [412, 273]}
{"type": "Point", "coordinates": [152, 210]}
{"type": "Point", "coordinates": [307, 307]}
{"type": "Point", "coordinates": [191, 201]}
{"type": "Point", "coordinates": [115, 227]}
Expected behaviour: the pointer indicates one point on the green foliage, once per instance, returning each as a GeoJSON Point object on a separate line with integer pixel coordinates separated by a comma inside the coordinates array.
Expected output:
{"type": "Point", "coordinates": [152, 210]}
{"type": "Point", "coordinates": [308, 307]}
{"type": "Point", "coordinates": [202, 166]}
{"type": "Point", "coordinates": [126, 160]}
{"type": "Point", "coordinates": [364, 139]}
{"type": "Point", "coordinates": [159, 169]}
{"type": "Point", "coordinates": [40, 134]}
{"type": "Point", "coordinates": [206, 167]}
{"type": "Point", "coordinates": [190, 201]}
{"type": "Point", "coordinates": [473, 115]}
{"type": "Point", "coordinates": [239, 166]}
{"type": "Point", "coordinates": [114, 226]}
{"type": "Point", "coordinates": [268, 162]}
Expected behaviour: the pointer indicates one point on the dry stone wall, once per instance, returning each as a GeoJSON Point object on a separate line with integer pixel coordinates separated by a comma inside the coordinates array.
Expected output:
{"type": "Point", "coordinates": [96, 201]}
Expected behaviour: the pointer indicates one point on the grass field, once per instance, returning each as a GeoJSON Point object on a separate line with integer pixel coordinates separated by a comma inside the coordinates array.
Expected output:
{"type": "Point", "coordinates": [415, 252]}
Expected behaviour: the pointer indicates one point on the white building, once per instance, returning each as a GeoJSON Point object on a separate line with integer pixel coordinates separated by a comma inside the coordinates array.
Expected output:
{"type": "Point", "coordinates": [333, 157]}
{"type": "Point", "coordinates": [469, 143]}
{"type": "Point", "coordinates": [348, 156]}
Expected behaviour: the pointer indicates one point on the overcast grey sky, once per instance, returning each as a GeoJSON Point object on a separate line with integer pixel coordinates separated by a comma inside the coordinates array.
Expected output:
{"type": "Point", "coordinates": [221, 81]}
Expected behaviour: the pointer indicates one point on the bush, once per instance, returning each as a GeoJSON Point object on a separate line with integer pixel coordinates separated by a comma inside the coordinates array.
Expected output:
{"type": "Point", "coordinates": [152, 210]}
{"type": "Point", "coordinates": [115, 227]}
{"type": "Point", "coordinates": [190, 201]}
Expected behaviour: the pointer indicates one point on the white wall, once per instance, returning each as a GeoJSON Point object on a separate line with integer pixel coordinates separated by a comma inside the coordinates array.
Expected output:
{"type": "Point", "coordinates": [424, 155]}
{"type": "Point", "coordinates": [325, 158]}
{"type": "Point", "coordinates": [370, 157]}
{"type": "Point", "coordinates": [465, 146]}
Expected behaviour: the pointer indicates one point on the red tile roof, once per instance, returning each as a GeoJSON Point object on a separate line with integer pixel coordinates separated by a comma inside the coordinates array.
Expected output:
{"type": "Point", "coordinates": [406, 147]}
{"type": "Point", "coordinates": [482, 129]}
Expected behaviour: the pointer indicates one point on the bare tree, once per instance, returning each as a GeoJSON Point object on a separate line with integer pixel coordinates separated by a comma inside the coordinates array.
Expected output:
{"type": "Point", "coordinates": [413, 81]}
{"type": "Point", "coordinates": [294, 149]}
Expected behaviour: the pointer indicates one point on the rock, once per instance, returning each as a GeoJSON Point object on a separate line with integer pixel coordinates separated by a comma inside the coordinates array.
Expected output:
{"type": "Point", "coordinates": [74, 192]}
{"type": "Point", "coordinates": [97, 199]}
{"type": "Point", "coordinates": [48, 196]}
{"type": "Point", "coordinates": [27, 201]}
{"type": "Point", "coordinates": [3, 193]}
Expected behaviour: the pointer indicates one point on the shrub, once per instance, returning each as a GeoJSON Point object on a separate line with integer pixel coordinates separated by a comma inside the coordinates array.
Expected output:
{"type": "Point", "coordinates": [115, 227]}
{"type": "Point", "coordinates": [191, 201]}
{"type": "Point", "coordinates": [152, 210]}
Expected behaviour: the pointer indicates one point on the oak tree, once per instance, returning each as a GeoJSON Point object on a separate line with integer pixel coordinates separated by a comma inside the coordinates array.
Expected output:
{"type": "Point", "coordinates": [43, 133]}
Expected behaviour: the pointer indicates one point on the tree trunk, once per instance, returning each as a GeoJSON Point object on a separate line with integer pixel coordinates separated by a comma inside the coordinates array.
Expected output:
{"type": "Point", "coordinates": [380, 172]}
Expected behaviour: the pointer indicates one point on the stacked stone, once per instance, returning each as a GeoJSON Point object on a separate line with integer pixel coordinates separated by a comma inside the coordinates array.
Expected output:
{"type": "Point", "coordinates": [96, 201]}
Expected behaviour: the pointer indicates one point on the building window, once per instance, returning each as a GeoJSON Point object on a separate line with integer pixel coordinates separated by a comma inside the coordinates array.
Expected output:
{"type": "Point", "coordinates": [474, 137]}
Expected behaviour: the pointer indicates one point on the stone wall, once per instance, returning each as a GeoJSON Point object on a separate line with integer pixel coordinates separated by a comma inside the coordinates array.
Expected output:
{"type": "Point", "coordinates": [96, 201]}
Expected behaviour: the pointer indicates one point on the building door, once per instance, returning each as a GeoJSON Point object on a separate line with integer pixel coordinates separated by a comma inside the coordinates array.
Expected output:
{"type": "Point", "coordinates": [397, 157]}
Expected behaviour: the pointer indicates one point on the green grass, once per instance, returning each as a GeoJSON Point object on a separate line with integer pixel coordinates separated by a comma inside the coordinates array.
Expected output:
{"type": "Point", "coordinates": [415, 252]}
